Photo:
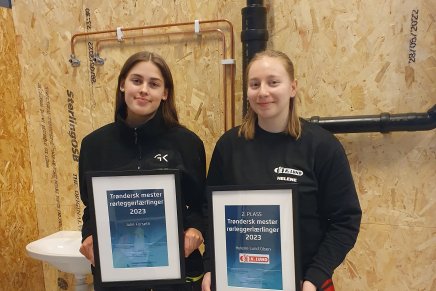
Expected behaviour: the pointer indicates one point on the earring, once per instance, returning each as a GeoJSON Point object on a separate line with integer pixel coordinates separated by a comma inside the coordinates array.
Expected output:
{"type": "Point", "coordinates": [122, 89]}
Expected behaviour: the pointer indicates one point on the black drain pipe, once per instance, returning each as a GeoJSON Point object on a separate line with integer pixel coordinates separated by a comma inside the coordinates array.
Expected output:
{"type": "Point", "coordinates": [383, 123]}
{"type": "Point", "coordinates": [254, 36]}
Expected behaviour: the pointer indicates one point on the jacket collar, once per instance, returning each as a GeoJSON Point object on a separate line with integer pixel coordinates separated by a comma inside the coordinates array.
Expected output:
{"type": "Point", "coordinates": [152, 128]}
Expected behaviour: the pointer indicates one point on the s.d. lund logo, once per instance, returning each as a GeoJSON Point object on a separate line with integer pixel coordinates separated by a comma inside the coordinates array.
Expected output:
{"type": "Point", "coordinates": [287, 171]}
{"type": "Point", "coordinates": [253, 259]}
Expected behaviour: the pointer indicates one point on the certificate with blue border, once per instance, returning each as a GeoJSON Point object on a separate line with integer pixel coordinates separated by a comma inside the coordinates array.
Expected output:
{"type": "Point", "coordinates": [139, 235]}
{"type": "Point", "coordinates": [255, 227]}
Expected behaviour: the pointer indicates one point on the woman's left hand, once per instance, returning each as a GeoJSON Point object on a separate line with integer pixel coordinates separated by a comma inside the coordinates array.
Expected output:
{"type": "Point", "coordinates": [193, 240]}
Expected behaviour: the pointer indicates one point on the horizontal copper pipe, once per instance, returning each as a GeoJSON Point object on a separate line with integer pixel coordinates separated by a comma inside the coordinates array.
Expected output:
{"type": "Point", "coordinates": [73, 38]}
{"type": "Point", "coordinates": [111, 39]}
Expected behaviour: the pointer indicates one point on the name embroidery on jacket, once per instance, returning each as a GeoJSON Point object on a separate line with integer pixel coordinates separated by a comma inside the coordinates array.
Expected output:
{"type": "Point", "coordinates": [287, 171]}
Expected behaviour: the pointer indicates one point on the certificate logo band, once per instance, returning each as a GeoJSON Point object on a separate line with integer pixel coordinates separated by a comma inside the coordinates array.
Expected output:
{"type": "Point", "coordinates": [254, 259]}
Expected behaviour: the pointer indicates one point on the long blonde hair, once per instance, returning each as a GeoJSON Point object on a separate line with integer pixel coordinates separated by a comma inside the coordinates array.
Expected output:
{"type": "Point", "coordinates": [248, 125]}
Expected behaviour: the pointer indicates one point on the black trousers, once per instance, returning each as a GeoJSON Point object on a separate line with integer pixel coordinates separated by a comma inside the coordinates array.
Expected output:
{"type": "Point", "coordinates": [188, 286]}
{"type": "Point", "coordinates": [194, 286]}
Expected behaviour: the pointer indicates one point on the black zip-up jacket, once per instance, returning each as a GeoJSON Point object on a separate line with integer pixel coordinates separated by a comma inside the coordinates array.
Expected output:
{"type": "Point", "coordinates": [328, 205]}
{"type": "Point", "coordinates": [116, 146]}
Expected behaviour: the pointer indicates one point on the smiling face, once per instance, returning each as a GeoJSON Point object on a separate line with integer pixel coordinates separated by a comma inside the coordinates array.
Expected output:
{"type": "Point", "coordinates": [144, 89]}
{"type": "Point", "coordinates": [269, 92]}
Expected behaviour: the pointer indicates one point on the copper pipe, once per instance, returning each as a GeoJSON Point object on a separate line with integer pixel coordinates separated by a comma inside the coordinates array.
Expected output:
{"type": "Point", "coordinates": [224, 53]}
{"type": "Point", "coordinates": [232, 52]}
{"type": "Point", "coordinates": [110, 39]}
{"type": "Point", "coordinates": [155, 26]}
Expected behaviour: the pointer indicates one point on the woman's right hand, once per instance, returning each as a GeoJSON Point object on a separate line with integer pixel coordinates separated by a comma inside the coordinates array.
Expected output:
{"type": "Point", "coordinates": [308, 286]}
{"type": "Point", "coordinates": [87, 249]}
{"type": "Point", "coordinates": [205, 285]}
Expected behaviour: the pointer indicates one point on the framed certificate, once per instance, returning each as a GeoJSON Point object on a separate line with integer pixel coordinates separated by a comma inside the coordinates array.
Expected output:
{"type": "Point", "coordinates": [139, 235]}
{"type": "Point", "coordinates": [6, 3]}
{"type": "Point", "coordinates": [254, 244]}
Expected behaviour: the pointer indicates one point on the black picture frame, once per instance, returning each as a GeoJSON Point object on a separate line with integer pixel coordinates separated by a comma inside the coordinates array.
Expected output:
{"type": "Point", "coordinates": [235, 244]}
{"type": "Point", "coordinates": [138, 239]}
{"type": "Point", "coordinates": [6, 3]}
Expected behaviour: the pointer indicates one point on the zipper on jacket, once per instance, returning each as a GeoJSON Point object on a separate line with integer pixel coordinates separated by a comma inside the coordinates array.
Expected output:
{"type": "Point", "coordinates": [139, 149]}
{"type": "Point", "coordinates": [136, 136]}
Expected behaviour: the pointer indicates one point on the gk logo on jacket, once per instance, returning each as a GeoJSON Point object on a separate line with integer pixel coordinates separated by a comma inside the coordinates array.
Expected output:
{"type": "Point", "coordinates": [161, 157]}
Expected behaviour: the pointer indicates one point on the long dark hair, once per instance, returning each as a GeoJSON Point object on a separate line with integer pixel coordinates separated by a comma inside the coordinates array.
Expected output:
{"type": "Point", "coordinates": [167, 106]}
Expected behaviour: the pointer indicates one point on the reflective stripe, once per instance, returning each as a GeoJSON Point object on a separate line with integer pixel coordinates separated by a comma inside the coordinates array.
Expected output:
{"type": "Point", "coordinates": [328, 285]}
{"type": "Point", "coordinates": [194, 279]}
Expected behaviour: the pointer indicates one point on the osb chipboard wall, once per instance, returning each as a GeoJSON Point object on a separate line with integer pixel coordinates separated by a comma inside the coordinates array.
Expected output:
{"type": "Point", "coordinates": [351, 58]}
{"type": "Point", "coordinates": [17, 205]}
{"type": "Point", "coordinates": [64, 103]}
{"type": "Point", "coordinates": [363, 58]}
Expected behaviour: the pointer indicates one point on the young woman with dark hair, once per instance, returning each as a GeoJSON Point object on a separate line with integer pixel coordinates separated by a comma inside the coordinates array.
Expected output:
{"type": "Point", "coordinates": [146, 135]}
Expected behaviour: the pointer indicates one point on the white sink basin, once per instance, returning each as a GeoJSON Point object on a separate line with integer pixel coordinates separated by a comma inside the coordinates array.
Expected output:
{"type": "Point", "coordinates": [61, 250]}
